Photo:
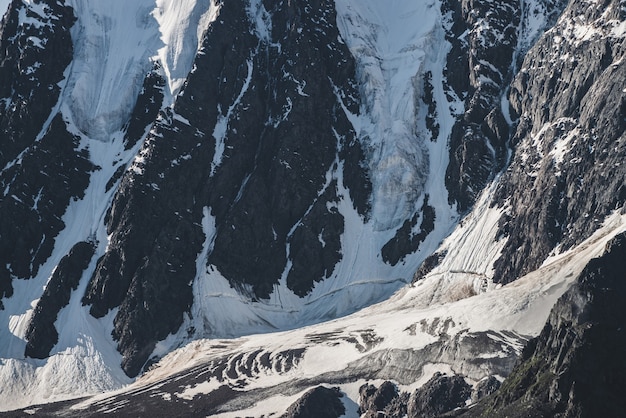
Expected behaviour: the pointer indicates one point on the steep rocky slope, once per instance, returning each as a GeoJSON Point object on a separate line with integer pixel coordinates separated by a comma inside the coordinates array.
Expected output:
{"type": "Point", "coordinates": [244, 167]}
{"type": "Point", "coordinates": [567, 172]}
{"type": "Point", "coordinates": [574, 367]}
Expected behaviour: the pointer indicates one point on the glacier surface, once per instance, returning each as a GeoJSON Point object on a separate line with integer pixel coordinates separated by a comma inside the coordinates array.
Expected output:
{"type": "Point", "coordinates": [116, 43]}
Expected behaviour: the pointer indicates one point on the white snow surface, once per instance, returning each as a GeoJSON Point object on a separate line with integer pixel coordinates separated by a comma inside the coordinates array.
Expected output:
{"type": "Point", "coordinates": [521, 307]}
{"type": "Point", "coordinates": [4, 6]}
{"type": "Point", "coordinates": [392, 42]}
{"type": "Point", "coordinates": [116, 43]}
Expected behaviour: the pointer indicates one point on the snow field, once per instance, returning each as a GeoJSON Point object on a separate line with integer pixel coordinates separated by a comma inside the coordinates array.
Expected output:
{"type": "Point", "coordinates": [4, 6]}
{"type": "Point", "coordinates": [521, 307]}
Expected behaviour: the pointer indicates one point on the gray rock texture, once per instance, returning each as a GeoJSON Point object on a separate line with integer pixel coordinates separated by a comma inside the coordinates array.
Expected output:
{"type": "Point", "coordinates": [575, 367]}
{"type": "Point", "coordinates": [566, 173]}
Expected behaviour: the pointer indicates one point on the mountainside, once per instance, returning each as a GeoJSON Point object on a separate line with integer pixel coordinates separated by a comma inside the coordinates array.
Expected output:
{"type": "Point", "coordinates": [570, 369]}
{"type": "Point", "coordinates": [184, 179]}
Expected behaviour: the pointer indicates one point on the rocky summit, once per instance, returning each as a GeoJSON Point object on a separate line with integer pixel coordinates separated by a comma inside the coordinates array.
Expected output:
{"type": "Point", "coordinates": [312, 208]}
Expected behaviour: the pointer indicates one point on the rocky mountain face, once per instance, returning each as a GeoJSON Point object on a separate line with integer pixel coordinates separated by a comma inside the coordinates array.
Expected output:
{"type": "Point", "coordinates": [566, 173]}
{"type": "Point", "coordinates": [267, 174]}
{"type": "Point", "coordinates": [249, 166]}
{"type": "Point", "coordinates": [572, 369]}
{"type": "Point", "coordinates": [42, 168]}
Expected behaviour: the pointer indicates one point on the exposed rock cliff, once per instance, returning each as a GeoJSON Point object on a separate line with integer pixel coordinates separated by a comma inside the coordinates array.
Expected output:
{"type": "Point", "coordinates": [575, 367]}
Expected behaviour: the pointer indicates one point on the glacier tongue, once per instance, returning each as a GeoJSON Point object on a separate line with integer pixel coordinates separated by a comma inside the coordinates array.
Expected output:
{"type": "Point", "coordinates": [116, 43]}
{"type": "Point", "coordinates": [390, 41]}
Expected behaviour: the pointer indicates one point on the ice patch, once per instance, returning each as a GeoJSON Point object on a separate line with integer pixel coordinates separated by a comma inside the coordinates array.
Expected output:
{"type": "Point", "coordinates": [113, 42]}
{"type": "Point", "coordinates": [116, 43]}
{"type": "Point", "coordinates": [182, 24]}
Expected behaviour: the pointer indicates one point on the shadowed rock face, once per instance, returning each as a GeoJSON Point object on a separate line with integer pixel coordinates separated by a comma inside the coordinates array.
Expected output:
{"type": "Point", "coordinates": [574, 368]}
{"type": "Point", "coordinates": [441, 394]}
{"type": "Point", "coordinates": [318, 402]}
{"type": "Point", "coordinates": [384, 399]}
{"type": "Point", "coordinates": [478, 140]}
{"type": "Point", "coordinates": [42, 334]}
{"type": "Point", "coordinates": [37, 190]}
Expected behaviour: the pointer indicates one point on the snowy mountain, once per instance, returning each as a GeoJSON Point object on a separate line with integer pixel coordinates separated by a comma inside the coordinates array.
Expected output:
{"type": "Point", "coordinates": [248, 207]}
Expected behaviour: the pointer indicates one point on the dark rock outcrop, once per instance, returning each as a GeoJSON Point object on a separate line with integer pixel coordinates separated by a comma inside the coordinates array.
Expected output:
{"type": "Point", "coordinates": [484, 388]}
{"type": "Point", "coordinates": [406, 241]}
{"type": "Point", "coordinates": [386, 400]}
{"type": "Point", "coordinates": [42, 334]}
{"type": "Point", "coordinates": [567, 172]}
{"type": "Point", "coordinates": [478, 140]}
{"type": "Point", "coordinates": [439, 395]}
{"type": "Point", "coordinates": [146, 108]}
{"type": "Point", "coordinates": [33, 57]}
{"type": "Point", "coordinates": [575, 367]}
{"type": "Point", "coordinates": [428, 265]}
{"type": "Point", "coordinates": [319, 402]}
